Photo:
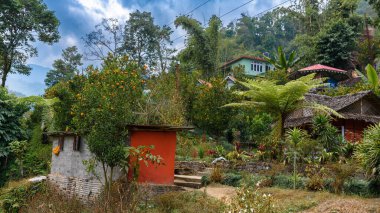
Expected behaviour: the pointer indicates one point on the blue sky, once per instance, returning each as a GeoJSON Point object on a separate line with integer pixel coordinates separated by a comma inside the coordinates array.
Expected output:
{"type": "Point", "coordinates": [78, 17]}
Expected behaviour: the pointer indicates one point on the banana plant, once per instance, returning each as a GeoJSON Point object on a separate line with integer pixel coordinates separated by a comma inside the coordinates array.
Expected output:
{"type": "Point", "coordinates": [373, 78]}
{"type": "Point", "coordinates": [281, 63]}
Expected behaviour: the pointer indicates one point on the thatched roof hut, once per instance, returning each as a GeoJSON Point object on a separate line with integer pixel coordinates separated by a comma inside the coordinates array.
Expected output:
{"type": "Point", "coordinates": [363, 106]}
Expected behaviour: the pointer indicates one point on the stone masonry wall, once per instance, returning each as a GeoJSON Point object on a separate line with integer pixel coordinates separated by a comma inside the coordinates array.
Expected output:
{"type": "Point", "coordinates": [69, 173]}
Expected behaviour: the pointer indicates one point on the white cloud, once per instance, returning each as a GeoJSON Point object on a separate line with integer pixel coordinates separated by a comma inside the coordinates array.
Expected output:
{"type": "Point", "coordinates": [96, 10]}
{"type": "Point", "coordinates": [71, 40]}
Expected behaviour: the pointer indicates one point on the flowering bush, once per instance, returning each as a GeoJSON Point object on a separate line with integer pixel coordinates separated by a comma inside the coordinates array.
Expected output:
{"type": "Point", "coordinates": [105, 106]}
{"type": "Point", "coordinates": [250, 200]}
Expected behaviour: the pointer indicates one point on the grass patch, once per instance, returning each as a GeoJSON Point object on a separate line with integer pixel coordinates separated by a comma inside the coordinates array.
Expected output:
{"type": "Point", "coordinates": [187, 202]}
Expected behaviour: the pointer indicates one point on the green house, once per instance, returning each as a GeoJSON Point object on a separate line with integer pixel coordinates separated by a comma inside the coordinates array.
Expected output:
{"type": "Point", "coordinates": [252, 66]}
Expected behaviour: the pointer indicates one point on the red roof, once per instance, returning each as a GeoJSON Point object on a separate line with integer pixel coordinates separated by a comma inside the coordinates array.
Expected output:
{"type": "Point", "coordinates": [244, 57]}
{"type": "Point", "coordinates": [320, 67]}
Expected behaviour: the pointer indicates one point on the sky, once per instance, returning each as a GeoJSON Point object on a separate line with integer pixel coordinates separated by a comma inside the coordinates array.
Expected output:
{"type": "Point", "coordinates": [79, 17]}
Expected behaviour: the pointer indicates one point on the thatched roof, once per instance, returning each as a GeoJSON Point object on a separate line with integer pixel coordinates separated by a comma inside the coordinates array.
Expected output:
{"type": "Point", "coordinates": [305, 116]}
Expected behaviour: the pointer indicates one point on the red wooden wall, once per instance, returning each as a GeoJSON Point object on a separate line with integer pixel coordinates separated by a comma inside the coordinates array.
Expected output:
{"type": "Point", "coordinates": [164, 145]}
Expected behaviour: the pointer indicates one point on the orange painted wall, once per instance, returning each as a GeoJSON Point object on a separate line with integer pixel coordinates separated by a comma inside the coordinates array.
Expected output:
{"type": "Point", "coordinates": [164, 145]}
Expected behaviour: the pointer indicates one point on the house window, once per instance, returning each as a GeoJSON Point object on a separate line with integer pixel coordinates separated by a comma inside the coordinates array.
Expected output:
{"type": "Point", "coordinates": [77, 142]}
{"type": "Point", "coordinates": [61, 142]}
{"type": "Point", "coordinates": [252, 66]}
{"type": "Point", "coordinates": [261, 68]}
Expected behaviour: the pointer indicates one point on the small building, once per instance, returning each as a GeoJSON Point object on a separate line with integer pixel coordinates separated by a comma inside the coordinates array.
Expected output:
{"type": "Point", "coordinates": [359, 111]}
{"type": "Point", "coordinates": [332, 74]}
{"type": "Point", "coordinates": [164, 139]}
{"type": "Point", "coordinates": [251, 65]}
{"type": "Point", "coordinates": [68, 171]}
{"type": "Point", "coordinates": [230, 81]}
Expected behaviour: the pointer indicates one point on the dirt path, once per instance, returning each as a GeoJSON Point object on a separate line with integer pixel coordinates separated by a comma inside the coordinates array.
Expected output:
{"type": "Point", "coordinates": [218, 191]}
{"type": "Point", "coordinates": [347, 205]}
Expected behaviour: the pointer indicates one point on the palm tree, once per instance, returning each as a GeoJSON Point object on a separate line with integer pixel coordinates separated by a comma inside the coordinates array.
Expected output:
{"type": "Point", "coordinates": [279, 100]}
{"type": "Point", "coordinates": [281, 63]}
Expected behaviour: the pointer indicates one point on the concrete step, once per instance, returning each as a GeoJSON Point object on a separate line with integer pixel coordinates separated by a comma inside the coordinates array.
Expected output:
{"type": "Point", "coordinates": [189, 178]}
{"type": "Point", "coordinates": [183, 183]}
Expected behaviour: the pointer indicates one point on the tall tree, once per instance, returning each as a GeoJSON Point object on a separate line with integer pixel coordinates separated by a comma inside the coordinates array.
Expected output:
{"type": "Point", "coordinates": [139, 38]}
{"type": "Point", "coordinates": [64, 68]}
{"type": "Point", "coordinates": [335, 44]}
{"type": "Point", "coordinates": [22, 22]}
{"type": "Point", "coordinates": [203, 44]}
{"type": "Point", "coordinates": [278, 100]}
{"type": "Point", "coordinates": [106, 38]}
{"type": "Point", "coordinates": [145, 42]}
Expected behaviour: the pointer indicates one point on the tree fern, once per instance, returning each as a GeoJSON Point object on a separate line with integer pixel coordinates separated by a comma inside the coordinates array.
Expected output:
{"type": "Point", "coordinates": [279, 100]}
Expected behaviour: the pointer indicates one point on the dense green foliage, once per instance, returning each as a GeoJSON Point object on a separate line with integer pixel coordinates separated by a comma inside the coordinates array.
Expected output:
{"type": "Point", "coordinates": [11, 114]}
{"type": "Point", "coordinates": [105, 106]}
{"type": "Point", "coordinates": [276, 100]}
{"type": "Point", "coordinates": [30, 20]}
{"type": "Point", "coordinates": [325, 133]}
{"type": "Point", "coordinates": [66, 92]}
{"type": "Point", "coordinates": [368, 152]}
{"type": "Point", "coordinates": [335, 44]}
{"type": "Point", "coordinates": [203, 45]}
{"type": "Point", "coordinates": [207, 112]}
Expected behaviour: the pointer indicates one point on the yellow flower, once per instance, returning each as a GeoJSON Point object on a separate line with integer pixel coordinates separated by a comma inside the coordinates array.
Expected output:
{"type": "Point", "coordinates": [81, 114]}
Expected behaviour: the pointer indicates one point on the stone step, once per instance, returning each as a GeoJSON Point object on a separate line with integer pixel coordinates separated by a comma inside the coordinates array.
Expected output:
{"type": "Point", "coordinates": [189, 178]}
{"type": "Point", "coordinates": [195, 185]}
{"type": "Point", "coordinates": [206, 172]}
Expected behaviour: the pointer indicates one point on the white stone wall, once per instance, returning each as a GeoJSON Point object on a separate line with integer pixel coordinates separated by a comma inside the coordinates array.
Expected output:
{"type": "Point", "coordinates": [69, 173]}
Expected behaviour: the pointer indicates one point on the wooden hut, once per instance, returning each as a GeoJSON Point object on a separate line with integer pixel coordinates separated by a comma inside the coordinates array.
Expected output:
{"type": "Point", "coordinates": [359, 110]}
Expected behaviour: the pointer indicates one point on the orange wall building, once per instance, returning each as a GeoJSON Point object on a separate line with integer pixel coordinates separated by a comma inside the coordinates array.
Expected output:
{"type": "Point", "coordinates": [164, 139]}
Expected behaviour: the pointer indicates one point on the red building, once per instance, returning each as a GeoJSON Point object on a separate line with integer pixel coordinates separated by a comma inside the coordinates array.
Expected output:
{"type": "Point", "coordinates": [164, 139]}
{"type": "Point", "coordinates": [359, 110]}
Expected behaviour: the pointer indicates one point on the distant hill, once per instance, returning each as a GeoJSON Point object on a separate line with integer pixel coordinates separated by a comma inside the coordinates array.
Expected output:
{"type": "Point", "coordinates": [28, 85]}
{"type": "Point", "coordinates": [18, 94]}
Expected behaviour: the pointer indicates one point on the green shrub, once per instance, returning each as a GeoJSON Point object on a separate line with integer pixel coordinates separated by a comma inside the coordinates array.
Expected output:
{"type": "Point", "coordinates": [368, 152]}
{"type": "Point", "coordinates": [232, 179]}
{"type": "Point", "coordinates": [16, 198]}
{"type": "Point", "coordinates": [374, 187]}
{"type": "Point", "coordinates": [201, 152]}
{"type": "Point", "coordinates": [250, 180]}
{"type": "Point", "coordinates": [315, 174]}
{"type": "Point", "coordinates": [286, 181]}
{"type": "Point", "coordinates": [205, 180]}
{"type": "Point", "coordinates": [216, 175]}
{"type": "Point", "coordinates": [357, 187]}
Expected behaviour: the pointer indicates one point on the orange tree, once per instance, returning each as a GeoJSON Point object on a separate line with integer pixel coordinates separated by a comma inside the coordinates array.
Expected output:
{"type": "Point", "coordinates": [207, 112]}
{"type": "Point", "coordinates": [66, 92]}
{"type": "Point", "coordinates": [105, 106]}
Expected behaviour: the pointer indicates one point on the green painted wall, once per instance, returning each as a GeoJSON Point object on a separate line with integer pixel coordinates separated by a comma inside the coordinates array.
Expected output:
{"type": "Point", "coordinates": [247, 66]}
